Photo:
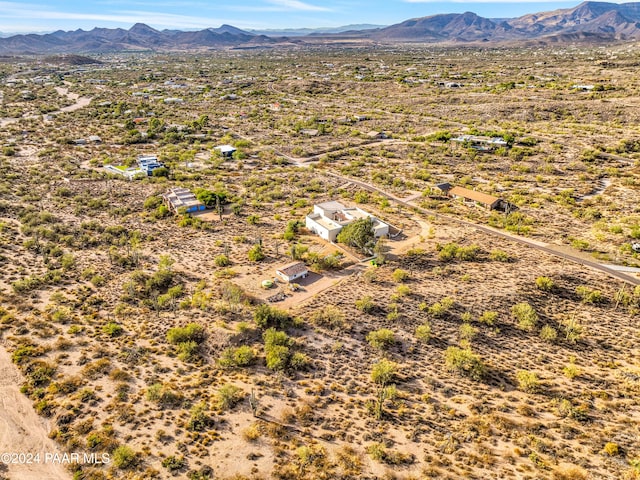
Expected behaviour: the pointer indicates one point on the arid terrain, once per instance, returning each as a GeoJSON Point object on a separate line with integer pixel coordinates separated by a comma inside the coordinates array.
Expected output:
{"type": "Point", "coordinates": [480, 343]}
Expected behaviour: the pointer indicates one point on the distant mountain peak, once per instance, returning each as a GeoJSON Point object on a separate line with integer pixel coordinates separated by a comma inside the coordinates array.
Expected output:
{"type": "Point", "coordinates": [142, 28]}
{"type": "Point", "coordinates": [590, 21]}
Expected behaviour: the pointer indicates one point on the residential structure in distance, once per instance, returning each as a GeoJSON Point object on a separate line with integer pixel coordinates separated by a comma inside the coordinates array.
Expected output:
{"type": "Point", "coordinates": [225, 150]}
{"type": "Point", "coordinates": [292, 271]}
{"type": "Point", "coordinates": [329, 218]}
{"type": "Point", "coordinates": [148, 163]}
{"type": "Point", "coordinates": [480, 143]}
{"type": "Point", "coordinates": [180, 200]}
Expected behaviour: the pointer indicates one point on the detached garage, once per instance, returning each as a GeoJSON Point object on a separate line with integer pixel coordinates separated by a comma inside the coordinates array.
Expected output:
{"type": "Point", "coordinates": [292, 271]}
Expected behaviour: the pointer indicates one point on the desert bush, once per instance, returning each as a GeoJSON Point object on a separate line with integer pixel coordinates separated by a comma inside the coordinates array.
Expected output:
{"type": "Point", "coordinates": [124, 457]}
{"type": "Point", "coordinates": [488, 317]}
{"type": "Point", "coordinates": [380, 453]}
{"type": "Point", "coordinates": [499, 256]}
{"type": "Point", "coordinates": [545, 284]}
{"type": "Point", "coordinates": [199, 419]}
{"type": "Point", "coordinates": [112, 329]}
{"type": "Point", "coordinates": [365, 304]}
{"type": "Point", "coordinates": [330, 316]}
{"type": "Point", "coordinates": [589, 295]}
{"type": "Point", "coordinates": [266, 316]}
{"type": "Point", "coordinates": [242, 356]}
{"type": "Point", "coordinates": [423, 332]}
{"type": "Point", "coordinates": [174, 463]}
{"type": "Point", "coordinates": [255, 253]}
{"type": "Point", "coordinates": [548, 333]}
{"type": "Point", "coordinates": [277, 357]}
{"type": "Point", "coordinates": [252, 432]}
{"type": "Point", "coordinates": [465, 362]}
{"type": "Point", "coordinates": [451, 251]}
{"type": "Point", "coordinates": [228, 396]}
{"type": "Point", "coordinates": [192, 332]}
{"type": "Point", "coordinates": [527, 381]}
{"type": "Point", "coordinates": [381, 339]}
{"type": "Point", "coordinates": [222, 261]}
{"type": "Point", "coordinates": [400, 275]}
{"type": "Point", "coordinates": [573, 330]}
{"type": "Point", "coordinates": [439, 309]}
{"type": "Point", "coordinates": [525, 315]}
{"type": "Point", "coordinates": [163, 396]}
{"type": "Point", "coordinates": [569, 472]}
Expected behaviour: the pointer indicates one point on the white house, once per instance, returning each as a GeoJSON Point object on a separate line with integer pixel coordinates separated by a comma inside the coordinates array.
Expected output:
{"type": "Point", "coordinates": [225, 150]}
{"type": "Point", "coordinates": [292, 271]}
{"type": "Point", "coordinates": [329, 218]}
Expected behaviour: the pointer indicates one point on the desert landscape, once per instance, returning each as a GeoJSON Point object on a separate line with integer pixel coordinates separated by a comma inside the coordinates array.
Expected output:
{"type": "Point", "coordinates": [491, 332]}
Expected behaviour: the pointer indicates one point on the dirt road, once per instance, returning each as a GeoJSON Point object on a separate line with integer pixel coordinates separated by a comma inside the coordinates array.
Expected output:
{"type": "Point", "coordinates": [22, 430]}
{"type": "Point", "coordinates": [497, 233]}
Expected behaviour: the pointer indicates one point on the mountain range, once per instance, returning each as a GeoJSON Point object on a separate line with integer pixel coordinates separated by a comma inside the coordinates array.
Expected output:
{"type": "Point", "coordinates": [589, 21]}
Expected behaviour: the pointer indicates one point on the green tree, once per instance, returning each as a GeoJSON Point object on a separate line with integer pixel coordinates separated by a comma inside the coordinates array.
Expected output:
{"type": "Point", "coordinates": [358, 234]}
{"type": "Point", "coordinates": [382, 374]}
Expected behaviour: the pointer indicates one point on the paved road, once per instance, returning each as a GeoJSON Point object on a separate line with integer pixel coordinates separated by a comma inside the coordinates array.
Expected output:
{"type": "Point", "coordinates": [613, 272]}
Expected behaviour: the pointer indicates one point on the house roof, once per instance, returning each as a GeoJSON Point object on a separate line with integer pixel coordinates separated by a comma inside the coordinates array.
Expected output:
{"type": "Point", "coordinates": [445, 187]}
{"type": "Point", "coordinates": [331, 205]}
{"type": "Point", "coordinates": [294, 268]}
{"type": "Point", "coordinates": [181, 197]}
{"type": "Point", "coordinates": [479, 197]}
{"type": "Point", "coordinates": [225, 148]}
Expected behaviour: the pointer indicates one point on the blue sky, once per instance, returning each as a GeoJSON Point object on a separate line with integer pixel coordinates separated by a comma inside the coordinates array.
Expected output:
{"type": "Point", "coordinates": [49, 15]}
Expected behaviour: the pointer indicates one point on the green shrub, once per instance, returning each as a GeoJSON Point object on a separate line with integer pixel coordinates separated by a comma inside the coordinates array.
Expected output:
{"type": "Point", "coordinates": [242, 356]}
{"type": "Point", "coordinates": [330, 316]}
{"type": "Point", "coordinates": [222, 261]}
{"type": "Point", "coordinates": [255, 253]}
{"type": "Point", "coordinates": [266, 316]}
{"type": "Point", "coordinates": [499, 256]}
{"type": "Point", "coordinates": [545, 284]}
{"type": "Point", "coordinates": [525, 315]}
{"type": "Point", "coordinates": [192, 332]}
{"type": "Point", "coordinates": [400, 275]}
{"type": "Point", "coordinates": [548, 333]}
{"type": "Point", "coordinates": [228, 396]}
{"type": "Point", "coordinates": [277, 357]}
{"type": "Point", "coordinates": [588, 295]}
{"type": "Point", "coordinates": [112, 329]}
{"type": "Point", "coordinates": [173, 463]}
{"type": "Point", "coordinates": [488, 317]}
{"type": "Point", "coordinates": [199, 419]}
{"type": "Point", "coordinates": [527, 381]}
{"type": "Point", "coordinates": [465, 362]}
{"type": "Point", "coordinates": [124, 457]}
{"type": "Point", "coordinates": [423, 332]}
{"type": "Point", "coordinates": [382, 338]}
{"type": "Point", "coordinates": [365, 304]}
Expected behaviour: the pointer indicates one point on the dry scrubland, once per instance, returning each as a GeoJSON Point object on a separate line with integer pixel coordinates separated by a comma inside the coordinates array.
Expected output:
{"type": "Point", "coordinates": [144, 335]}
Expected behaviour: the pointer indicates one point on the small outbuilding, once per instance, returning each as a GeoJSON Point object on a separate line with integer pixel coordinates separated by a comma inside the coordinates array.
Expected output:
{"type": "Point", "coordinates": [473, 197]}
{"type": "Point", "coordinates": [225, 150]}
{"type": "Point", "coordinates": [292, 271]}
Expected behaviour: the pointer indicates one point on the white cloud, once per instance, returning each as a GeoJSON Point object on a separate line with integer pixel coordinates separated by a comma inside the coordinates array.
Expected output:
{"type": "Point", "coordinates": [298, 6]}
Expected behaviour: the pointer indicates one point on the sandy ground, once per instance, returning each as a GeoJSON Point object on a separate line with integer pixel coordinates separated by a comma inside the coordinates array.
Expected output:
{"type": "Point", "coordinates": [22, 430]}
